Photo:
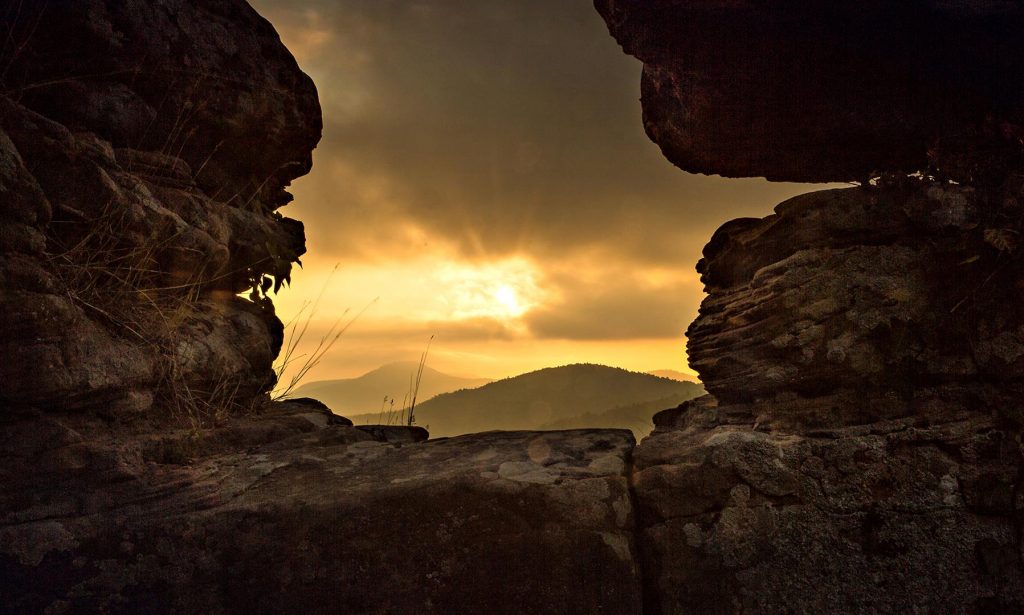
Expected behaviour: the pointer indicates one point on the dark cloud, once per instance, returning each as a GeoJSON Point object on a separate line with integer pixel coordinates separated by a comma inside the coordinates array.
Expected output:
{"type": "Point", "coordinates": [498, 126]}
{"type": "Point", "coordinates": [475, 130]}
{"type": "Point", "coordinates": [616, 306]}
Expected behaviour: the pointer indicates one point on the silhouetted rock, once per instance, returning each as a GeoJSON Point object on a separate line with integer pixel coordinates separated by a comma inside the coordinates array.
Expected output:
{"type": "Point", "coordinates": [819, 91]}
{"type": "Point", "coordinates": [297, 516]}
{"type": "Point", "coordinates": [396, 433]}
{"type": "Point", "coordinates": [144, 149]}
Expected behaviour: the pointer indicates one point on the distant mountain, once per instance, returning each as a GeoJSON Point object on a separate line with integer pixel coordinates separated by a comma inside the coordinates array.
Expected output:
{"type": "Point", "coordinates": [554, 398]}
{"type": "Point", "coordinates": [363, 395]}
{"type": "Point", "coordinates": [672, 375]}
{"type": "Point", "coordinates": [636, 417]}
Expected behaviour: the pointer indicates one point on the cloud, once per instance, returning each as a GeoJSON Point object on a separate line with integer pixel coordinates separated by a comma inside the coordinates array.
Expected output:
{"type": "Point", "coordinates": [495, 127]}
{"type": "Point", "coordinates": [617, 305]}
{"type": "Point", "coordinates": [477, 132]}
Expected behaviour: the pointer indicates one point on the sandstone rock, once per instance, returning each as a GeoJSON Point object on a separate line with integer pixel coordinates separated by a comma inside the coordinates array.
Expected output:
{"type": "Point", "coordinates": [864, 304]}
{"type": "Point", "coordinates": [137, 204]}
{"type": "Point", "coordinates": [818, 91]}
{"type": "Point", "coordinates": [323, 519]}
{"type": "Point", "coordinates": [861, 450]}
{"type": "Point", "coordinates": [893, 517]}
{"type": "Point", "coordinates": [208, 82]}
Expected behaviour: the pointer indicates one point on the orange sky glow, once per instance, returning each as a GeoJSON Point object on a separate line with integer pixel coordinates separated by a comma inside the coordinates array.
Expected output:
{"type": "Point", "coordinates": [484, 178]}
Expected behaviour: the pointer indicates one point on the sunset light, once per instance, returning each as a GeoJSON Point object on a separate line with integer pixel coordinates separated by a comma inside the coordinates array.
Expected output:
{"type": "Point", "coordinates": [446, 307]}
{"type": "Point", "coordinates": [490, 188]}
{"type": "Point", "coordinates": [502, 290]}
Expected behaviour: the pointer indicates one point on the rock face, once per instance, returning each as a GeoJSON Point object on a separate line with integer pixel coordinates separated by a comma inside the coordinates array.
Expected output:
{"type": "Point", "coordinates": [818, 91]}
{"type": "Point", "coordinates": [906, 515]}
{"type": "Point", "coordinates": [136, 203]}
{"type": "Point", "coordinates": [860, 449]}
{"type": "Point", "coordinates": [144, 151]}
{"type": "Point", "coordinates": [292, 511]}
{"type": "Point", "coordinates": [863, 346]}
{"type": "Point", "coordinates": [883, 300]}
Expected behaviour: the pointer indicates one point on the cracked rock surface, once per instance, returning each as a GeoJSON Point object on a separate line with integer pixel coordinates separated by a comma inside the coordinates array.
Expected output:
{"type": "Point", "coordinates": [887, 517]}
{"type": "Point", "coordinates": [144, 151]}
{"type": "Point", "coordinates": [295, 511]}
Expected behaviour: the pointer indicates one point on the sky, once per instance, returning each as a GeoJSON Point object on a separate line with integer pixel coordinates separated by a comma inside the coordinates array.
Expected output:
{"type": "Point", "coordinates": [484, 178]}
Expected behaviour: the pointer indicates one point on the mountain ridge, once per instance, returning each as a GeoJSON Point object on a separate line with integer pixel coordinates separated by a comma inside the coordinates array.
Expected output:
{"type": "Point", "coordinates": [365, 394]}
{"type": "Point", "coordinates": [577, 395]}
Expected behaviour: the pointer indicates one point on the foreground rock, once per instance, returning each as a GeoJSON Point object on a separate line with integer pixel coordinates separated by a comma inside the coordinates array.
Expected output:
{"type": "Point", "coordinates": [288, 513]}
{"type": "Point", "coordinates": [861, 451]}
{"type": "Point", "coordinates": [819, 91]}
{"type": "Point", "coordinates": [143, 153]}
{"type": "Point", "coordinates": [907, 515]}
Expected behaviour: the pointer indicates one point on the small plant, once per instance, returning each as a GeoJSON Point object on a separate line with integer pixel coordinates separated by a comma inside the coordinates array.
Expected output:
{"type": "Point", "coordinates": [419, 376]}
{"type": "Point", "coordinates": [297, 329]}
{"type": "Point", "coordinates": [121, 284]}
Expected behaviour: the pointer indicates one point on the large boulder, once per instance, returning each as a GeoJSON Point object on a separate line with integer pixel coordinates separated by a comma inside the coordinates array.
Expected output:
{"type": "Point", "coordinates": [901, 516]}
{"type": "Point", "coordinates": [294, 511]}
{"type": "Point", "coordinates": [819, 91]}
{"type": "Point", "coordinates": [137, 204]}
{"type": "Point", "coordinates": [879, 300]}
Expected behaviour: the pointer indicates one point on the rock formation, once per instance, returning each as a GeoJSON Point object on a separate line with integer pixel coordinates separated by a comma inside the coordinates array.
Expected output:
{"type": "Point", "coordinates": [294, 511]}
{"type": "Point", "coordinates": [818, 91]}
{"type": "Point", "coordinates": [145, 148]}
{"type": "Point", "coordinates": [860, 447]}
{"type": "Point", "coordinates": [859, 450]}
{"type": "Point", "coordinates": [144, 152]}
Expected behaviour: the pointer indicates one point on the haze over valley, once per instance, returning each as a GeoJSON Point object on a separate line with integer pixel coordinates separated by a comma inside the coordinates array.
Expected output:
{"type": "Point", "coordinates": [566, 397]}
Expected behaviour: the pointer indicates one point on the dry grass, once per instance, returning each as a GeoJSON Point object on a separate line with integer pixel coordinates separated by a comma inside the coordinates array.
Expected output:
{"type": "Point", "coordinates": [121, 284]}
{"type": "Point", "coordinates": [406, 413]}
{"type": "Point", "coordinates": [296, 332]}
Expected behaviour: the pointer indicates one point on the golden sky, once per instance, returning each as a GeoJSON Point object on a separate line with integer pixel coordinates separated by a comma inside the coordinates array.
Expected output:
{"type": "Point", "coordinates": [484, 172]}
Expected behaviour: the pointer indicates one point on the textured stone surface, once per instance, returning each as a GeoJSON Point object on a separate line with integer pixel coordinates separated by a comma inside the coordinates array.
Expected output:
{"type": "Point", "coordinates": [286, 512]}
{"type": "Point", "coordinates": [136, 202]}
{"type": "Point", "coordinates": [208, 82]}
{"type": "Point", "coordinates": [908, 515]}
{"type": "Point", "coordinates": [871, 303]}
{"type": "Point", "coordinates": [818, 91]}
{"type": "Point", "coordinates": [865, 347]}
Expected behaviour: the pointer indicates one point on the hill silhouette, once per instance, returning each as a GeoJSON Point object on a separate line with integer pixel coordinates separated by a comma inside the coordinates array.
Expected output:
{"type": "Point", "coordinates": [671, 374]}
{"type": "Point", "coordinates": [581, 395]}
{"type": "Point", "coordinates": [363, 395]}
{"type": "Point", "coordinates": [635, 417]}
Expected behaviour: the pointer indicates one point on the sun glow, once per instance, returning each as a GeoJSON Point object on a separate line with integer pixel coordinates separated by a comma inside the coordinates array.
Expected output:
{"type": "Point", "coordinates": [507, 298]}
{"type": "Point", "coordinates": [503, 290]}
{"type": "Point", "coordinates": [435, 288]}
